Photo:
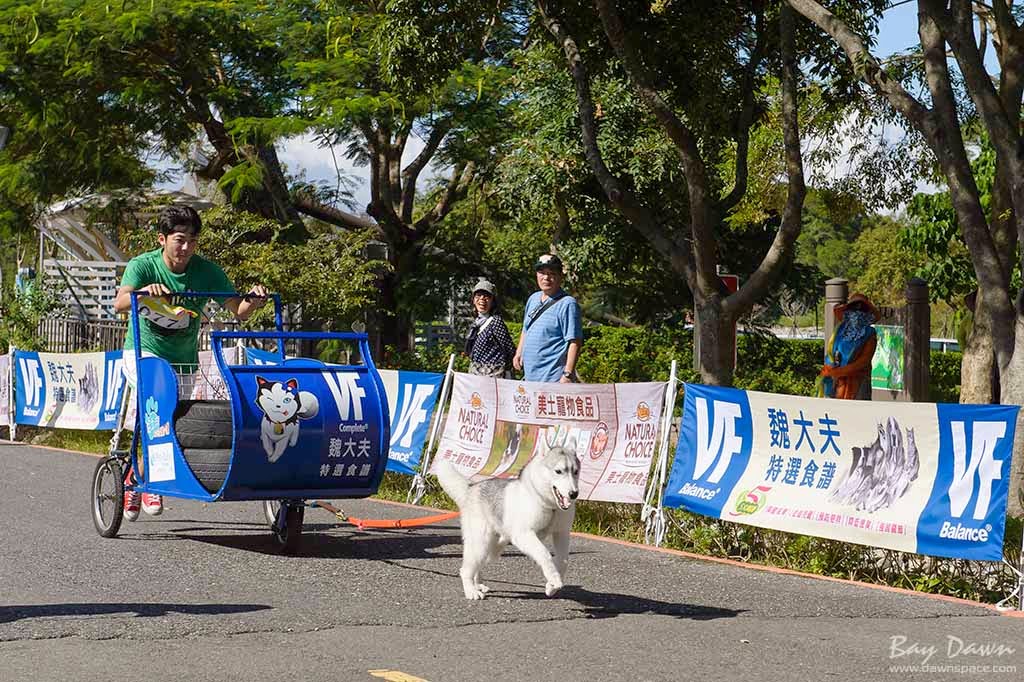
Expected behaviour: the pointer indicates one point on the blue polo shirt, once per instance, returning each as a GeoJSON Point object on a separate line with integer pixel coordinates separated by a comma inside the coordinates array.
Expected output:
{"type": "Point", "coordinates": [547, 339]}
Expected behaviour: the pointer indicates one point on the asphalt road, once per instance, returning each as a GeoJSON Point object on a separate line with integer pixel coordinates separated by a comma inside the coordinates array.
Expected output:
{"type": "Point", "coordinates": [200, 593]}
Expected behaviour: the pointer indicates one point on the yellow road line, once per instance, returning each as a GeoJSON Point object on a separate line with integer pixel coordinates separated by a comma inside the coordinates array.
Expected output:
{"type": "Point", "coordinates": [395, 676]}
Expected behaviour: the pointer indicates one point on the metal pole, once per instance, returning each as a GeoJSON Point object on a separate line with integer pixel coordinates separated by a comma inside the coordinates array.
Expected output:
{"type": "Point", "coordinates": [419, 482]}
{"type": "Point", "coordinates": [653, 515]}
{"type": "Point", "coordinates": [12, 385]}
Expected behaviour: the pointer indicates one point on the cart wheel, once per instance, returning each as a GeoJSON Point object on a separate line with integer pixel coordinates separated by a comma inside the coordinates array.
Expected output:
{"type": "Point", "coordinates": [270, 509]}
{"type": "Point", "coordinates": [108, 497]}
{"type": "Point", "coordinates": [288, 527]}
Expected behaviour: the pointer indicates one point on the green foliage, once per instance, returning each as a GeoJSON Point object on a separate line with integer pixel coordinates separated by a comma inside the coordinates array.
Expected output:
{"type": "Point", "coordinates": [944, 377]}
{"type": "Point", "coordinates": [617, 354]}
{"type": "Point", "coordinates": [21, 312]}
{"type": "Point", "coordinates": [774, 365]}
{"type": "Point", "coordinates": [885, 264]}
{"type": "Point", "coordinates": [329, 274]}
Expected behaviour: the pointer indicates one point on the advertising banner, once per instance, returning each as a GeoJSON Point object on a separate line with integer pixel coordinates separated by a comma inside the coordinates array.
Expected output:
{"type": "Point", "coordinates": [5, 390]}
{"type": "Point", "coordinates": [887, 362]}
{"type": "Point", "coordinates": [68, 390]}
{"type": "Point", "coordinates": [411, 398]}
{"type": "Point", "coordinates": [495, 426]}
{"type": "Point", "coordinates": [915, 477]}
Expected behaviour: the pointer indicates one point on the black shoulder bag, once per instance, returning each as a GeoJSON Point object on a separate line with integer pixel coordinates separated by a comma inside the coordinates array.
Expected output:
{"type": "Point", "coordinates": [540, 311]}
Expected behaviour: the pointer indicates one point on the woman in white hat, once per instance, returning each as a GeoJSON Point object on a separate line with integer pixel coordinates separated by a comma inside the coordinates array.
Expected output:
{"type": "Point", "coordinates": [488, 344]}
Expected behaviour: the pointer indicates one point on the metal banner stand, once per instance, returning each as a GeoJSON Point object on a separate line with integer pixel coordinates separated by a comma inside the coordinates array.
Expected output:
{"type": "Point", "coordinates": [653, 515]}
{"type": "Point", "coordinates": [12, 386]}
{"type": "Point", "coordinates": [418, 488]}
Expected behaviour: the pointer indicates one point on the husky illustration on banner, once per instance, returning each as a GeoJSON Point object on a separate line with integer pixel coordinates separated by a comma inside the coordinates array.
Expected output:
{"type": "Point", "coordinates": [881, 472]}
{"type": "Point", "coordinates": [283, 405]}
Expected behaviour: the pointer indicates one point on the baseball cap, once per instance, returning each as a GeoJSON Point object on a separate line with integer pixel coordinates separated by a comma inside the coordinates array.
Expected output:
{"type": "Point", "coordinates": [484, 285]}
{"type": "Point", "coordinates": [548, 260]}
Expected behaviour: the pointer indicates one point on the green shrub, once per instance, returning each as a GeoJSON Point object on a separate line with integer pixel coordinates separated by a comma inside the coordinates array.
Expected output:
{"type": "Point", "coordinates": [774, 365]}
{"type": "Point", "coordinates": [944, 377]}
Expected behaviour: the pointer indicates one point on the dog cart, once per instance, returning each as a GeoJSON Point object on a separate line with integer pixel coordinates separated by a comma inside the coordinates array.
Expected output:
{"type": "Point", "coordinates": [288, 432]}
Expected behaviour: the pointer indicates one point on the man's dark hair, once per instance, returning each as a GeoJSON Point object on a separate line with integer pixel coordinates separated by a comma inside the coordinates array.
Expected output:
{"type": "Point", "coordinates": [179, 219]}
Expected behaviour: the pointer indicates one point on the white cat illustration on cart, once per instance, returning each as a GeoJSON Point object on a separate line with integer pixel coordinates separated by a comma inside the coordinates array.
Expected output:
{"type": "Point", "coordinates": [283, 405]}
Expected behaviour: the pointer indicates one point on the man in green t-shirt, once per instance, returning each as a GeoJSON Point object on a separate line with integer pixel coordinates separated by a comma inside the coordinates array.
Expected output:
{"type": "Point", "coordinates": [169, 328]}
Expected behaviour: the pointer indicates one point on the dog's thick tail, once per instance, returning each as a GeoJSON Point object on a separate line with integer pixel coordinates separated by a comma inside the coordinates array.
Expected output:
{"type": "Point", "coordinates": [454, 483]}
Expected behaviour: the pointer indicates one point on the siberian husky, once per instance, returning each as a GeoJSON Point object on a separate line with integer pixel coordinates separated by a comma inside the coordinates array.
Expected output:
{"type": "Point", "coordinates": [540, 504]}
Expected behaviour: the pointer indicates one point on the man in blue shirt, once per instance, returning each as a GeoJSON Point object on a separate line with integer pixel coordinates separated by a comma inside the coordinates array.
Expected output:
{"type": "Point", "coordinates": [549, 345]}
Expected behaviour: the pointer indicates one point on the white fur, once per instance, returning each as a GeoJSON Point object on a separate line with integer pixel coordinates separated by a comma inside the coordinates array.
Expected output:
{"type": "Point", "coordinates": [537, 506]}
{"type": "Point", "coordinates": [278, 430]}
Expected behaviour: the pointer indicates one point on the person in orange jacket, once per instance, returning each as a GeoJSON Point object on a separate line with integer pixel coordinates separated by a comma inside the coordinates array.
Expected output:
{"type": "Point", "coordinates": [849, 351]}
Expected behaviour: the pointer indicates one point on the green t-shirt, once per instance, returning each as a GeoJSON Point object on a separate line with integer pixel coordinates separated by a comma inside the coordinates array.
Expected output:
{"type": "Point", "coordinates": [175, 339]}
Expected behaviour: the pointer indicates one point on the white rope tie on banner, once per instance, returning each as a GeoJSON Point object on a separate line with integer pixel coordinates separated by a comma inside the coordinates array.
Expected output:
{"type": "Point", "coordinates": [418, 487]}
{"type": "Point", "coordinates": [1006, 604]}
{"type": "Point", "coordinates": [653, 515]}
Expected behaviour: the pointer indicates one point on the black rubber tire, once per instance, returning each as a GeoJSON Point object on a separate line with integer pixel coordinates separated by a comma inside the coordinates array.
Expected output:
{"type": "Point", "coordinates": [209, 466]}
{"type": "Point", "coordinates": [108, 496]}
{"type": "Point", "coordinates": [203, 424]}
{"type": "Point", "coordinates": [290, 535]}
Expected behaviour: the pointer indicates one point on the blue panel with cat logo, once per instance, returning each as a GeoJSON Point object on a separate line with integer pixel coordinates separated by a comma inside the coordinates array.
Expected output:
{"type": "Point", "coordinates": [301, 429]}
{"type": "Point", "coordinates": [302, 425]}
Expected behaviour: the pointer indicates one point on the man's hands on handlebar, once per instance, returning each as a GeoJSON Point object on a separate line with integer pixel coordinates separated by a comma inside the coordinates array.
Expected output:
{"type": "Point", "coordinates": [156, 289]}
{"type": "Point", "coordinates": [246, 304]}
{"type": "Point", "coordinates": [258, 295]}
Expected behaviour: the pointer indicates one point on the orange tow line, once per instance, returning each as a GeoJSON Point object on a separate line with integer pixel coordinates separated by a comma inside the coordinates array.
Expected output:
{"type": "Point", "coordinates": [385, 523]}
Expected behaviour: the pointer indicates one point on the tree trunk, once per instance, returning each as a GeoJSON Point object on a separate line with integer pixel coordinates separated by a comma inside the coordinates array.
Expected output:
{"type": "Point", "coordinates": [715, 347]}
{"type": "Point", "coordinates": [1012, 393]}
{"type": "Point", "coordinates": [393, 324]}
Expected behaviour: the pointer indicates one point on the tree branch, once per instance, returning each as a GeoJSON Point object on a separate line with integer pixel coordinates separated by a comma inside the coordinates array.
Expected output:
{"type": "Point", "coordinates": [457, 187]}
{"type": "Point", "coordinates": [412, 172]}
{"type": "Point", "coordinates": [746, 118]}
{"type": "Point", "coordinates": [308, 205]}
{"type": "Point", "coordinates": [701, 220]}
{"type": "Point", "coordinates": [782, 246]}
{"type": "Point", "coordinates": [639, 216]}
{"type": "Point", "coordinates": [866, 64]}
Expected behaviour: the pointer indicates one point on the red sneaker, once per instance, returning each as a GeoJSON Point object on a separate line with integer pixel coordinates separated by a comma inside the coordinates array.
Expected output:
{"type": "Point", "coordinates": [131, 504]}
{"type": "Point", "coordinates": [131, 498]}
{"type": "Point", "coordinates": [152, 504]}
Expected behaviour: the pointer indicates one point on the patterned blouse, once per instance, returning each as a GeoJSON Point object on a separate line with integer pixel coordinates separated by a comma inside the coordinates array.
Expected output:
{"type": "Point", "coordinates": [493, 345]}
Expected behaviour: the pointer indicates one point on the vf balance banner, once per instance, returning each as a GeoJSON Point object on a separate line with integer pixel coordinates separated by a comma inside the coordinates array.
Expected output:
{"type": "Point", "coordinates": [915, 477]}
{"type": "Point", "coordinates": [495, 426]}
{"type": "Point", "coordinates": [68, 390]}
{"type": "Point", "coordinates": [411, 399]}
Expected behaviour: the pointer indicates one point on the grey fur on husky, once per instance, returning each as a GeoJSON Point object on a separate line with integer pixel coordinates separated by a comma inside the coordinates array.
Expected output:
{"type": "Point", "coordinates": [539, 505]}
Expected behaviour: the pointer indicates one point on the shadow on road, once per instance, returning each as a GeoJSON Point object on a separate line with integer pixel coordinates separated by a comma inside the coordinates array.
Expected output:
{"type": "Point", "coordinates": [328, 541]}
{"type": "Point", "coordinates": [610, 604]}
{"type": "Point", "coordinates": [9, 614]}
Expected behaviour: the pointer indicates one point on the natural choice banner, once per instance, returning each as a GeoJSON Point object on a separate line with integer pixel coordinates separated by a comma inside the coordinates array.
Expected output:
{"type": "Point", "coordinates": [495, 426]}
{"type": "Point", "coordinates": [915, 477]}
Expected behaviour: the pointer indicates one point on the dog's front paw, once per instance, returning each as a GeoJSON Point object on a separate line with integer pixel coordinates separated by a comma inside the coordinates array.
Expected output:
{"type": "Point", "coordinates": [552, 587]}
{"type": "Point", "coordinates": [475, 593]}
{"type": "Point", "coordinates": [483, 588]}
